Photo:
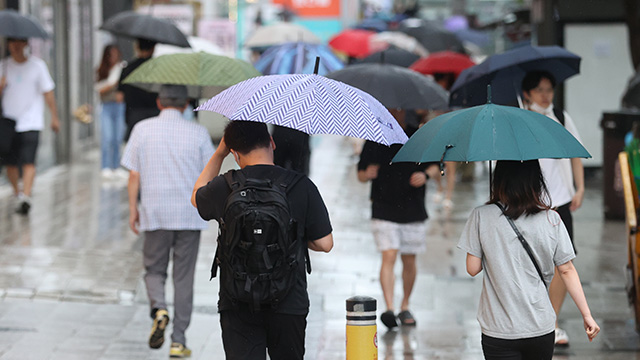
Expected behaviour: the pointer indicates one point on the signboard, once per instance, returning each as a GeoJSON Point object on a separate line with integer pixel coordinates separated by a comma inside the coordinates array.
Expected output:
{"type": "Point", "coordinates": [220, 31]}
{"type": "Point", "coordinates": [312, 8]}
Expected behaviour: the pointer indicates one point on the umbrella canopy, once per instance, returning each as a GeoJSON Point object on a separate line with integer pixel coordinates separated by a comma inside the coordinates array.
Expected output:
{"type": "Point", "coordinates": [442, 62]}
{"type": "Point", "coordinates": [433, 37]}
{"type": "Point", "coordinates": [393, 56]}
{"type": "Point", "coordinates": [204, 74]}
{"type": "Point", "coordinates": [16, 25]}
{"type": "Point", "coordinates": [353, 42]}
{"type": "Point", "coordinates": [505, 71]}
{"type": "Point", "coordinates": [197, 44]}
{"type": "Point", "coordinates": [398, 39]}
{"type": "Point", "coordinates": [142, 26]}
{"type": "Point", "coordinates": [490, 132]}
{"type": "Point", "coordinates": [297, 58]}
{"type": "Point", "coordinates": [394, 86]}
{"type": "Point", "coordinates": [280, 33]}
{"type": "Point", "coordinates": [309, 103]}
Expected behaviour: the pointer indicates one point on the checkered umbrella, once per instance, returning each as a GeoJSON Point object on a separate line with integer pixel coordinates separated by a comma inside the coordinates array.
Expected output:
{"type": "Point", "coordinates": [313, 104]}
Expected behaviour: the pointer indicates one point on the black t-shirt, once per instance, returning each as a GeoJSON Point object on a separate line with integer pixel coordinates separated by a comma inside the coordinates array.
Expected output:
{"type": "Point", "coordinates": [392, 197]}
{"type": "Point", "coordinates": [305, 206]}
{"type": "Point", "coordinates": [140, 104]}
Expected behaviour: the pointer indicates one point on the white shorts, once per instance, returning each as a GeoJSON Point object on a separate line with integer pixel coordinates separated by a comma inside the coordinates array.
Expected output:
{"type": "Point", "coordinates": [409, 238]}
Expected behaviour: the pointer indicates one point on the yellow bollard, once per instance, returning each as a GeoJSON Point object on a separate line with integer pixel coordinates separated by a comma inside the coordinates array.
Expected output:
{"type": "Point", "coordinates": [362, 333]}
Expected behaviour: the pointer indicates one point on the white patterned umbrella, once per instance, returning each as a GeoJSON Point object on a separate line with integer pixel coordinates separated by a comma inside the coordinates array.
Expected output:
{"type": "Point", "coordinates": [313, 104]}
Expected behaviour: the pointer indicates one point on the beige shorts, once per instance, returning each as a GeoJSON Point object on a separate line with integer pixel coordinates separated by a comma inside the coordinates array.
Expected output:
{"type": "Point", "coordinates": [409, 238]}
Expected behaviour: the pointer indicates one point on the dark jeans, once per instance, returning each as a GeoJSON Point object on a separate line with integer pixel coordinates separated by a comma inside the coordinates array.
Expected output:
{"type": "Point", "coordinates": [536, 348]}
{"type": "Point", "coordinates": [248, 336]}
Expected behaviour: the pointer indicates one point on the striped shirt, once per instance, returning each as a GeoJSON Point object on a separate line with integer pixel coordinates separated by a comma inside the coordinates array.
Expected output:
{"type": "Point", "coordinates": [169, 152]}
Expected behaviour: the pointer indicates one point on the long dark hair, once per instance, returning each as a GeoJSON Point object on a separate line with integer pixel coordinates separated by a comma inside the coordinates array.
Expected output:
{"type": "Point", "coordinates": [105, 64]}
{"type": "Point", "coordinates": [520, 187]}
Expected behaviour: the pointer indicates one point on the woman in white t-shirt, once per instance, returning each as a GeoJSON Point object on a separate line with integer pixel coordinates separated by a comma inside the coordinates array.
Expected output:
{"type": "Point", "coordinates": [112, 124]}
{"type": "Point", "coordinates": [564, 177]}
{"type": "Point", "coordinates": [515, 314]}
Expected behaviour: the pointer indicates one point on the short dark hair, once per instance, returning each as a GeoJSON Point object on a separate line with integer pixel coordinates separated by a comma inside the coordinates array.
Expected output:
{"type": "Point", "coordinates": [520, 187]}
{"type": "Point", "coordinates": [244, 136]}
{"type": "Point", "coordinates": [533, 78]}
{"type": "Point", "coordinates": [14, 39]}
{"type": "Point", "coordinates": [144, 44]}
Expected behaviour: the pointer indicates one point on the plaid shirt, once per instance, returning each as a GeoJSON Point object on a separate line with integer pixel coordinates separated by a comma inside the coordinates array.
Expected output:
{"type": "Point", "coordinates": [169, 152]}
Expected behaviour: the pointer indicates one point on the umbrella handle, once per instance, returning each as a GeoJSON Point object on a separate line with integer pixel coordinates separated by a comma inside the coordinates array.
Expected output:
{"type": "Point", "coordinates": [442, 159]}
{"type": "Point", "coordinates": [317, 67]}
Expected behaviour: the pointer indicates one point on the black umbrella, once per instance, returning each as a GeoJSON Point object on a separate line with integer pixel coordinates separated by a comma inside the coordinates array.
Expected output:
{"type": "Point", "coordinates": [134, 25]}
{"type": "Point", "coordinates": [394, 86]}
{"type": "Point", "coordinates": [631, 97]}
{"type": "Point", "coordinates": [393, 56]}
{"type": "Point", "coordinates": [431, 36]}
{"type": "Point", "coordinates": [16, 25]}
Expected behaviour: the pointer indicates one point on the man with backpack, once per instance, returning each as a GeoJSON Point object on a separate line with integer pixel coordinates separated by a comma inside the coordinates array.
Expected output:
{"type": "Point", "coordinates": [269, 218]}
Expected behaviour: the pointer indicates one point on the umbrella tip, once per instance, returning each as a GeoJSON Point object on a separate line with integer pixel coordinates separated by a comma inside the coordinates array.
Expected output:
{"type": "Point", "coordinates": [317, 67]}
{"type": "Point", "coordinates": [489, 94]}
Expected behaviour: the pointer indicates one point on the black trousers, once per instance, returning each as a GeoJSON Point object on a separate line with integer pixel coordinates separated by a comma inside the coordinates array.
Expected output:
{"type": "Point", "coordinates": [248, 336]}
{"type": "Point", "coordinates": [567, 218]}
{"type": "Point", "coordinates": [536, 348]}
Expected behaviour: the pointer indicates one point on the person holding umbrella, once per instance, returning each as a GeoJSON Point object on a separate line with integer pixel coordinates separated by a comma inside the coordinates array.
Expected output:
{"type": "Point", "coordinates": [515, 315]}
{"type": "Point", "coordinates": [164, 156]}
{"type": "Point", "coordinates": [564, 177]}
{"type": "Point", "coordinates": [25, 87]}
{"type": "Point", "coordinates": [139, 104]}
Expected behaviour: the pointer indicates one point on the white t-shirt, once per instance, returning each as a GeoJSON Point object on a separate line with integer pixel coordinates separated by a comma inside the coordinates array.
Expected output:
{"type": "Point", "coordinates": [558, 173]}
{"type": "Point", "coordinates": [22, 99]}
{"type": "Point", "coordinates": [514, 303]}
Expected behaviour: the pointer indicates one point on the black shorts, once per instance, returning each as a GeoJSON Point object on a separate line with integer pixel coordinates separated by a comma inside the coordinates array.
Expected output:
{"type": "Point", "coordinates": [248, 336]}
{"type": "Point", "coordinates": [23, 149]}
{"type": "Point", "coordinates": [536, 348]}
{"type": "Point", "coordinates": [565, 215]}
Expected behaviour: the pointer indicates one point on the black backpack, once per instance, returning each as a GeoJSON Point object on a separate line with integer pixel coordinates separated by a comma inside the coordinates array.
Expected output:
{"type": "Point", "coordinates": [258, 241]}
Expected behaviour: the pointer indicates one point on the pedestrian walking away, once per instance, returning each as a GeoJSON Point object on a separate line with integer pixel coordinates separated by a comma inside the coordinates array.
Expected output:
{"type": "Point", "coordinates": [25, 87]}
{"type": "Point", "coordinates": [563, 177]}
{"type": "Point", "coordinates": [165, 155]}
{"type": "Point", "coordinates": [112, 122]}
{"type": "Point", "coordinates": [518, 240]}
{"type": "Point", "coordinates": [269, 218]}
{"type": "Point", "coordinates": [139, 103]}
{"type": "Point", "coordinates": [399, 217]}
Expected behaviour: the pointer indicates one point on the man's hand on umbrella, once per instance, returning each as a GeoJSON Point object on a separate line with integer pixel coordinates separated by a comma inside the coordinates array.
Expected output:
{"type": "Point", "coordinates": [418, 179]}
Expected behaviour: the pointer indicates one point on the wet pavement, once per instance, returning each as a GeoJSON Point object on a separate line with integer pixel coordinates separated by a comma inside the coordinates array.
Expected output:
{"type": "Point", "coordinates": [71, 274]}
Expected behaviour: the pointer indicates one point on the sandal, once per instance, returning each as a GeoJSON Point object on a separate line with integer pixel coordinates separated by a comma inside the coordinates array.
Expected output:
{"type": "Point", "coordinates": [406, 318]}
{"type": "Point", "coordinates": [388, 318]}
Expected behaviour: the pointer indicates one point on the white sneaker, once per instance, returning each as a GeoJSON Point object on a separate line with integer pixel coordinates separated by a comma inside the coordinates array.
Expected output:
{"type": "Point", "coordinates": [107, 174]}
{"type": "Point", "coordinates": [562, 339]}
{"type": "Point", "coordinates": [447, 204]}
{"type": "Point", "coordinates": [23, 204]}
{"type": "Point", "coordinates": [437, 197]}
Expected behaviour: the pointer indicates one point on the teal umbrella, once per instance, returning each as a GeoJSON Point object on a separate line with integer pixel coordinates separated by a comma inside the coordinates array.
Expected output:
{"type": "Point", "coordinates": [490, 132]}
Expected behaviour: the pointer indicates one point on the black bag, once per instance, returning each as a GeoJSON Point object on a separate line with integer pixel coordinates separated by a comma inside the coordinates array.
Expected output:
{"type": "Point", "coordinates": [7, 133]}
{"type": "Point", "coordinates": [258, 244]}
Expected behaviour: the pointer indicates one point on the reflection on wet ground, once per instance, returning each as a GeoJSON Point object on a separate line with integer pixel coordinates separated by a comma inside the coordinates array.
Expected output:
{"type": "Point", "coordinates": [70, 274]}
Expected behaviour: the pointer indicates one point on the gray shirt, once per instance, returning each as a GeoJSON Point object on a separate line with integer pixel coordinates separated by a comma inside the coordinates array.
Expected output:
{"type": "Point", "coordinates": [514, 303]}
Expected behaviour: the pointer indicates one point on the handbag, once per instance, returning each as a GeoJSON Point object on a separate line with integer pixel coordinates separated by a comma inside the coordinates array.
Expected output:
{"type": "Point", "coordinates": [524, 243]}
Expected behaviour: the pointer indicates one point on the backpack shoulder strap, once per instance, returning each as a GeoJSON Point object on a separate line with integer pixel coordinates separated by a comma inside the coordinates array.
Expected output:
{"type": "Point", "coordinates": [288, 179]}
{"type": "Point", "coordinates": [559, 113]}
{"type": "Point", "coordinates": [235, 178]}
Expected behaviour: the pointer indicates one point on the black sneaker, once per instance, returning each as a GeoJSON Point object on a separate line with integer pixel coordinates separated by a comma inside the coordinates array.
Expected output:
{"type": "Point", "coordinates": [24, 207]}
{"type": "Point", "coordinates": [156, 338]}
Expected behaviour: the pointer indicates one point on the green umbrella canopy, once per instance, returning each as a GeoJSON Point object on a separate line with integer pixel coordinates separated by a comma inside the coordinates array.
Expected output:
{"type": "Point", "coordinates": [204, 74]}
{"type": "Point", "coordinates": [490, 132]}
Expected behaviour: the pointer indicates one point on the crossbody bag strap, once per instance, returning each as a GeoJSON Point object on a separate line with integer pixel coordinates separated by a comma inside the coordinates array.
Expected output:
{"type": "Point", "coordinates": [524, 243]}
